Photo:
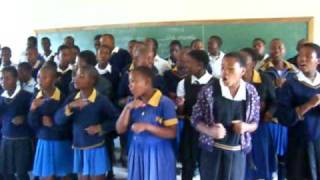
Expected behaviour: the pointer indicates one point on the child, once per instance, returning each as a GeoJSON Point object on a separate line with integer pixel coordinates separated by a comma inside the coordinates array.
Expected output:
{"type": "Point", "coordinates": [259, 45]}
{"type": "Point", "coordinates": [187, 90]}
{"type": "Point", "coordinates": [293, 60]}
{"type": "Point", "coordinates": [97, 41]}
{"type": "Point", "coordinates": [298, 107]}
{"type": "Point", "coordinates": [215, 55]}
{"type": "Point", "coordinates": [131, 44]}
{"type": "Point", "coordinates": [48, 54]}
{"type": "Point", "coordinates": [279, 70]}
{"type": "Point", "coordinates": [53, 156]}
{"type": "Point", "coordinates": [5, 57]}
{"type": "Point", "coordinates": [197, 44]}
{"type": "Point", "coordinates": [105, 69]}
{"type": "Point", "coordinates": [261, 161]}
{"type": "Point", "coordinates": [92, 116]}
{"type": "Point", "coordinates": [152, 119]}
{"type": "Point", "coordinates": [32, 56]}
{"type": "Point", "coordinates": [226, 113]}
{"type": "Point", "coordinates": [175, 47]}
{"type": "Point", "coordinates": [26, 80]}
{"type": "Point", "coordinates": [69, 41]}
{"type": "Point", "coordinates": [64, 69]}
{"type": "Point", "coordinates": [16, 145]}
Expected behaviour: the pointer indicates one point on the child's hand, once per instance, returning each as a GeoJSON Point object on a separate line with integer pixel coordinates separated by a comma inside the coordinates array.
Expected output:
{"type": "Point", "coordinates": [180, 101]}
{"type": "Point", "coordinates": [139, 127]}
{"type": "Point", "coordinates": [79, 103]}
{"type": "Point", "coordinates": [239, 127]}
{"type": "Point", "coordinates": [47, 121]}
{"type": "Point", "coordinates": [137, 103]}
{"type": "Point", "coordinates": [94, 129]}
{"type": "Point", "coordinates": [18, 120]}
{"type": "Point", "coordinates": [36, 103]}
{"type": "Point", "coordinates": [315, 100]}
{"type": "Point", "coordinates": [218, 131]}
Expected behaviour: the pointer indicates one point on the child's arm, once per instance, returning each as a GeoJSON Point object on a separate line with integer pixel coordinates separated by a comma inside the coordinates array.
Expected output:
{"type": "Point", "coordinates": [163, 132]}
{"type": "Point", "coordinates": [65, 113]}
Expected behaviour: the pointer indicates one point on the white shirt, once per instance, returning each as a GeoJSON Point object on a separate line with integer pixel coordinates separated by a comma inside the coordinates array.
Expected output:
{"type": "Point", "coordinates": [161, 64]}
{"type": "Point", "coordinates": [6, 95]}
{"type": "Point", "coordinates": [302, 78]}
{"type": "Point", "coordinates": [115, 50]}
{"type": "Point", "coordinates": [70, 67]}
{"type": "Point", "coordinates": [107, 69]}
{"type": "Point", "coordinates": [202, 80]}
{"type": "Point", "coordinates": [260, 63]}
{"type": "Point", "coordinates": [240, 95]}
{"type": "Point", "coordinates": [29, 86]}
{"type": "Point", "coordinates": [215, 63]}
{"type": "Point", "coordinates": [47, 58]}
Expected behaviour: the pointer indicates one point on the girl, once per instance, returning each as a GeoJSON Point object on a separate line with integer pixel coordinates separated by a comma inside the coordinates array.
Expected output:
{"type": "Point", "coordinates": [299, 110]}
{"type": "Point", "coordinates": [92, 116]}
{"type": "Point", "coordinates": [16, 147]}
{"type": "Point", "coordinates": [53, 156]}
{"type": "Point", "coordinates": [152, 119]}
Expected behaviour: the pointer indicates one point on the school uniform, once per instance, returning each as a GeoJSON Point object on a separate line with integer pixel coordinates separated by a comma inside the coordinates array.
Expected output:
{"type": "Point", "coordinates": [261, 162]}
{"type": "Point", "coordinates": [53, 152]}
{"type": "Point", "coordinates": [16, 145]}
{"type": "Point", "coordinates": [161, 64]}
{"type": "Point", "coordinates": [111, 74]}
{"type": "Point", "coordinates": [29, 86]}
{"type": "Point", "coordinates": [188, 89]}
{"type": "Point", "coordinates": [304, 135]}
{"type": "Point", "coordinates": [215, 63]}
{"type": "Point", "coordinates": [262, 61]}
{"type": "Point", "coordinates": [64, 79]}
{"type": "Point", "coordinates": [49, 57]}
{"type": "Point", "coordinates": [150, 156]}
{"type": "Point", "coordinates": [225, 159]}
{"type": "Point", "coordinates": [36, 67]}
{"type": "Point", "coordinates": [90, 155]}
{"type": "Point", "coordinates": [120, 58]}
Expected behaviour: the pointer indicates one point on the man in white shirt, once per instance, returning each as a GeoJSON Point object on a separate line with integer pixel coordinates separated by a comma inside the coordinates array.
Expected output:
{"type": "Point", "coordinates": [215, 55]}
{"type": "Point", "coordinates": [161, 64]}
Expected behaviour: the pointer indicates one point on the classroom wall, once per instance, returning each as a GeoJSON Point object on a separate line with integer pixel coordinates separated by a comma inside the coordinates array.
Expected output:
{"type": "Point", "coordinates": [44, 14]}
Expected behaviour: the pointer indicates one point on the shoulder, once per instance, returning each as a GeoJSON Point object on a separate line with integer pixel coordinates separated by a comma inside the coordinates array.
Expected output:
{"type": "Point", "coordinates": [251, 89]}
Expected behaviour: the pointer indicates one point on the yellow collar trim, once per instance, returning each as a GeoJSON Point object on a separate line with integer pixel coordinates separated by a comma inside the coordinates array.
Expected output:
{"type": "Point", "coordinates": [155, 99]}
{"type": "Point", "coordinates": [56, 95]}
{"type": "Point", "coordinates": [91, 98]}
{"type": "Point", "coordinates": [269, 64]}
{"type": "Point", "coordinates": [256, 78]}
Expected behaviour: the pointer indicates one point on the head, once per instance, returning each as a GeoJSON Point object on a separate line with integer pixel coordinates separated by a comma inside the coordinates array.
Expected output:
{"type": "Point", "coordinates": [97, 41]}
{"type": "Point", "coordinates": [32, 42]}
{"type": "Point", "coordinates": [103, 55]}
{"type": "Point", "coordinates": [131, 44]}
{"type": "Point", "coordinates": [86, 78]}
{"type": "Point", "coordinates": [64, 55]}
{"type": "Point", "coordinates": [197, 44]}
{"type": "Point", "coordinates": [5, 55]}
{"type": "Point", "coordinates": [45, 43]}
{"type": "Point", "coordinates": [175, 47]}
{"type": "Point", "coordinates": [232, 69]}
{"type": "Point", "coordinates": [143, 57]}
{"type": "Point", "coordinates": [214, 44]}
{"type": "Point", "coordinates": [69, 41]}
{"type": "Point", "coordinates": [24, 72]}
{"type": "Point", "coordinates": [196, 62]}
{"type": "Point", "coordinates": [277, 49]}
{"type": "Point", "coordinates": [10, 78]}
{"type": "Point", "coordinates": [141, 81]}
{"type": "Point", "coordinates": [47, 76]}
{"type": "Point", "coordinates": [75, 52]}
{"type": "Point", "coordinates": [259, 45]}
{"type": "Point", "coordinates": [251, 57]}
{"type": "Point", "coordinates": [180, 61]}
{"type": "Point", "coordinates": [87, 58]}
{"type": "Point", "coordinates": [152, 45]}
{"type": "Point", "coordinates": [32, 55]}
{"type": "Point", "coordinates": [300, 43]}
{"type": "Point", "coordinates": [308, 57]}
{"type": "Point", "coordinates": [107, 40]}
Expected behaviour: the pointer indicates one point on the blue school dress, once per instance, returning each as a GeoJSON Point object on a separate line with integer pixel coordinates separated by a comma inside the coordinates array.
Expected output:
{"type": "Point", "coordinates": [152, 157]}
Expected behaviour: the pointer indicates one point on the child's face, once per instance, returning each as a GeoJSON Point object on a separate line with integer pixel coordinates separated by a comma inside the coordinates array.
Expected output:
{"type": "Point", "coordinates": [65, 56]}
{"type": "Point", "coordinates": [198, 46]}
{"type": "Point", "coordinates": [138, 84]}
{"type": "Point", "coordinates": [5, 56]}
{"type": "Point", "coordinates": [307, 60]}
{"type": "Point", "coordinates": [277, 50]}
{"type": "Point", "coordinates": [104, 55]}
{"type": "Point", "coordinates": [174, 51]}
{"type": "Point", "coordinates": [145, 60]}
{"type": "Point", "coordinates": [45, 44]}
{"type": "Point", "coordinates": [32, 55]}
{"type": "Point", "coordinates": [250, 64]}
{"type": "Point", "coordinates": [259, 47]}
{"type": "Point", "coordinates": [46, 79]}
{"type": "Point", "coordinates": [231, 71]}
{"type": "Point", "coordinates": [193, 66]}
{"type": "Point", "coordinates": [24, 75]}
{"type": "Point", "coordinates": [130, 48]}
{"type": "Point", "coordinates": [9, 81]}
{"type": "Point", "coordinates": [69, 42]}
{"type": "Point", "coordinates": [83, 80]}
{"type": "Point", "coordinates": [213, 46]}
{"type": "Point", "coordinates": [107, 41]}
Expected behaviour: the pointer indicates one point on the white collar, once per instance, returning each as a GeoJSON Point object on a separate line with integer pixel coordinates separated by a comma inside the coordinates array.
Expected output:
{"type": "Point", "coordinates": [38, 63]}
{"type": "Point", "coordinates": [31, 82]}
{"type": "Point", "coordinates": [6, 95]}
{"type": "Point", "coordinates": [219, 56]}
{"type": "Point", "coordinates": [115, 50]}
{"type": "Point", "coordinates": [241, 94]}
{"type": "Point", "coordinates": [66, 70]}
{"type": "Point", "coordinates": [107, 69]}
{"type": "Point", "coordinates": [302, 78]}
{"type": "Point", "coordinates": [158, 58]}
{"type": "Point", "coordinates": [204, 79]}
{"type": "Point", "coordinates": [51, 54]}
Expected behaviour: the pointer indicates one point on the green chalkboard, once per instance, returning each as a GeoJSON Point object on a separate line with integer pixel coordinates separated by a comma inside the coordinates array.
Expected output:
{"type": "Point", "coordinates": [236, 34]}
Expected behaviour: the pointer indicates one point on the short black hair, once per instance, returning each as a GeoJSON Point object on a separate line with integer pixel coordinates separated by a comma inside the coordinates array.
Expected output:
{"type": "Point", "coordinates": [69, 37]}
{"type": "Point", "coordinates": [217, 38]}
{"type": "Point", "coordinates": [200, 56]}
{"type": "Point", "coordinates": [33, 39]}
{"type": "Point", "coordinates": [91, 71]}
{"type": "Point", "coordinates": [237, 56]}
{"type": "Point", "coordinates": [89, 57]}
{"type": "Point", "coordinates": [252, 52]}
{"type": "Point", "coordinates": [46, 39]}
{"type": "Point", "coordinates": [6, 48]}
{"type": "Point", "coordinates": [259, 39]}
{"type": "Point", "coordinates": [97, 37]}
{"type": "Point", "coordinates": [314, 47]}
{"type": "Point", "coordinates": [132, 41]}
{"type": "Point", "coordinates": [25, 66]}
{"type": "Point", "coordinates": [12, 70]}
{"type": "Point", "coordinates": [146, 72]}
{"type": "Point", "coordinates": [176, 42]}
{"type": "Point", "coordinates": [108, 35]}
{"type": "Point", "coordinates": [195, 41]}
{"type": "Point", "coordinates": [155, 44]}
{"type": "Point", "coordinates": [63, 47]}
{"type": "Point", "coordinates": [51, 67]}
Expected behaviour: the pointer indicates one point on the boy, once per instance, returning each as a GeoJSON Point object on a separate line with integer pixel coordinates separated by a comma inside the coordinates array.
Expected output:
{"type": "Point", "coordinates": [215, 55]}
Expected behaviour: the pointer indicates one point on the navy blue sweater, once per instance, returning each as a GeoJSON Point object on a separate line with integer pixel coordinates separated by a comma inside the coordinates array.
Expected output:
{"type": "Point", "coordinates": [120, 59]}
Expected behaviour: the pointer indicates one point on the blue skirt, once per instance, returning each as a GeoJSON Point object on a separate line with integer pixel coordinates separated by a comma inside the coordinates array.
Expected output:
{"type": "Point", "coordinates": [53, 158]}
{"type": "Point", "coordinates": [151, 160]}
{"type": "Point", "coordinates": [91, 162]}
{"type": "Point", "coordinates": [279, 137]}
